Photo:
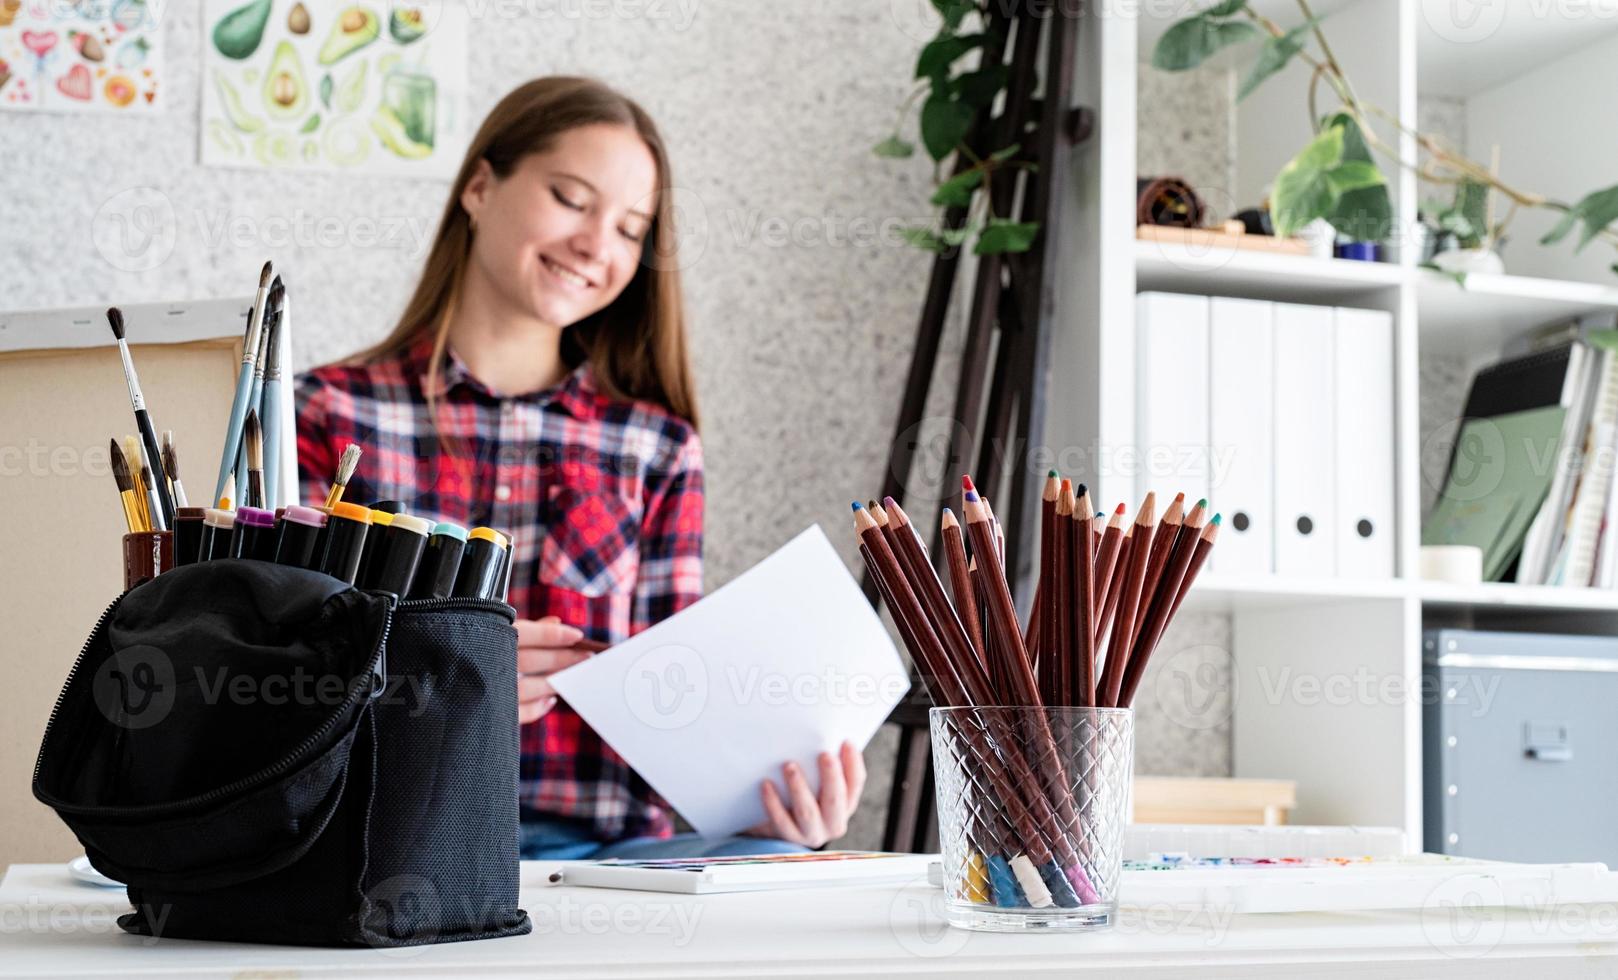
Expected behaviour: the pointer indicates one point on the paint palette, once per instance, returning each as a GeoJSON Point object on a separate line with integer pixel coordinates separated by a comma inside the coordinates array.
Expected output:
{"type": "Point", "coordinates": [762, 872]}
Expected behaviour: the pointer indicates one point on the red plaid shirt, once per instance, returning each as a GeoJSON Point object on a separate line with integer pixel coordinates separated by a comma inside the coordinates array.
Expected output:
{"type": "Point", "coordinates": [603, 502]}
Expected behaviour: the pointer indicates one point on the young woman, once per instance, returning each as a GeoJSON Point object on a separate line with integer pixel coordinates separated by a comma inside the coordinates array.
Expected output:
{"type": "Point", "coordinates": [537, 383]}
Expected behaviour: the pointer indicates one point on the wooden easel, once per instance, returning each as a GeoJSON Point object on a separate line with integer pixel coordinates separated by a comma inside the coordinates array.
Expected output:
{"type": "Point", "coordinates": [1008, 341]}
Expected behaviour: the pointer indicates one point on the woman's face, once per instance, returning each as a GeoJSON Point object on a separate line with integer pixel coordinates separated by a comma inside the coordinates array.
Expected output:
{"type": "Point", "coordinates": [560, 237]}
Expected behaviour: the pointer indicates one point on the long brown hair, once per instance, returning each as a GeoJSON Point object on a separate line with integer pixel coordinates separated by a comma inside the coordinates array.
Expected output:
{"type": "Point", "coordinates": [636, 346]}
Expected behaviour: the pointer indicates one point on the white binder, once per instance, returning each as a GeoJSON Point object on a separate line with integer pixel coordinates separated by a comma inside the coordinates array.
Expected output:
{"type": "Point", "coordinates": [1305, 460]}
{"type": "Point", "coordinates": [1171, 396]}
{"type": "Point", "coordinates": [1363, 523]}
{"type": "Point", "coordinates": [1241, 422]}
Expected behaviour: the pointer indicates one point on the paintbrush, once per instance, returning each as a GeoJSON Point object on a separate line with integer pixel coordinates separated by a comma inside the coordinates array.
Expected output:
{"type": "Point", "coordinates": [143, 422]}
{"type": "Point", "coordinates": [345, 471]}
{"type": "Point", "coordinates": [253, 446]}
{"type": "Point", "coordinates": [255, 394]}
{"type": "Point", "coordinates": [126, 490]}
{"type": "Point", "coordinates": [244, 384]}
{"type": "Point", "coordinates": [171, 469]}
{"type": "Point", "coordinates": [270, 412]}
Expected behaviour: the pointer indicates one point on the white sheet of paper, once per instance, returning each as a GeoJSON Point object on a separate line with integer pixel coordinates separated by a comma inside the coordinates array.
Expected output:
{"type": "Point", "coordinates": [781, 663]}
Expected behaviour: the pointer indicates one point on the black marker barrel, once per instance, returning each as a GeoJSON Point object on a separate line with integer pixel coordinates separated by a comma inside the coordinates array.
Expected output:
{"type": "Point", "coordinates": [188, 535]}
{"type": "Point", "coordinates": [255, 534]}
{"type": "Point", "coordinates": [398, 551]}
{"type": "Point", "coordinates": [298, 537]}
{"type": "Point", "coordinates": [379, 520]}
{"type": "Point", "coordinates": [435, 576]}
{"type": "Point", "coordinates": [389, 506]}
{"type": "Point", "coordinates": [217, 526]}
{"type": "Point", "coordinates": [346, 531]}
{"type": "Point", "coordinates": [479, 577]}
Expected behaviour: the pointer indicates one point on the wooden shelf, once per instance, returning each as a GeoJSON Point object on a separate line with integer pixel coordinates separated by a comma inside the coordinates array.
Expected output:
{"type": "Point", "coordinates": [1488, 310]}
{"type": "Point", "coordinates": [1173, 268]}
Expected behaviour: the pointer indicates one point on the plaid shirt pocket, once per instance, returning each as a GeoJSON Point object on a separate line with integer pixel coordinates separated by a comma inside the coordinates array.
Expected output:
{"type": "Point", "coordinates": [591, 541]}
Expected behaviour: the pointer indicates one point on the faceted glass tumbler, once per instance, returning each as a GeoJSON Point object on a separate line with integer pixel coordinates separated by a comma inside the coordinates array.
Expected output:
{"type": "Point", "coordinates": [1032, 806]}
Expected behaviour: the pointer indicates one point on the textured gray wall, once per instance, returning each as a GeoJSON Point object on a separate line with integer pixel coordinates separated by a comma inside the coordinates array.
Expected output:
{"type": "Point", "coordinates": [802, 310]}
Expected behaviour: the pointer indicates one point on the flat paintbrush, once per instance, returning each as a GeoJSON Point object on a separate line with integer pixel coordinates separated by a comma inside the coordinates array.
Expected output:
{"type": "Point", "coordinates": [164, 515]}
{"type": "Point", "coordinates": [126, 490]}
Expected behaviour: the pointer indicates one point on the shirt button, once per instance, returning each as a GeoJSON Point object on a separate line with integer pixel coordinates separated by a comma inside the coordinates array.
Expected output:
{"type": "Point", "coordinates": [502, 493]}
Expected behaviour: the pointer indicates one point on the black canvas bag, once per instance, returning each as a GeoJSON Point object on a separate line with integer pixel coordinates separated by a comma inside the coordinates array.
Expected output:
{"type": "Point", "coordinates": [264, 754]}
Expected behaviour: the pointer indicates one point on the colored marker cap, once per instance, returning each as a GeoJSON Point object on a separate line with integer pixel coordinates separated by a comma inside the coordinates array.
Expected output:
{"type": "Point", "coordinates": [255, 517]}
{"type": "Point", "coordinates": [352, 512]}
{"type": "Point", "coordinates": [415, 525]}
{"type": "Point", "coordinates": [389, 506]}
{"type": "Point", "coordinates": [451, 530]}
{"type": "Point", "coordinates": [490, 534]}
{"type": "Point", "coordinates": [381, 517]}
{"type": "Point", "coordinates": [215, 517]}
{"type": "Point", "coordinates": [190, 513]}
{"type": "Point", "coordinates": [304, 515]}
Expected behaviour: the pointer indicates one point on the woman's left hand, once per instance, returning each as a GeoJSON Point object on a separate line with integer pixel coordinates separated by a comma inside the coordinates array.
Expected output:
{"type": "Point", "coordinates": [805, 819]}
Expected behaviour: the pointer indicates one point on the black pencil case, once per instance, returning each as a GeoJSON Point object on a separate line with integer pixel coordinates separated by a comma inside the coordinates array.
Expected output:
{"type": "Point", "coordinates": [261, 753]}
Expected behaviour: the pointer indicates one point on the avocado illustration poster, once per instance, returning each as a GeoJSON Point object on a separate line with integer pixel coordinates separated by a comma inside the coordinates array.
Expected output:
{"type": "Point", "coordinates": [376, 87]}
{"type": "Point", "coordinates": [88, 56]}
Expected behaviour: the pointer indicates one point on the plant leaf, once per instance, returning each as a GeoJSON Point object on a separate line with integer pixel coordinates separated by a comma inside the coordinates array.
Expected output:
{"type": "Point", "coordinates": [894, 148]}
{"type": "Point", "coordinates": [942, 51]}
{"type": "Point", "coordinates": [1196, 39]}
{"type": "Point", "coordinates": [1002, 155]}
{"type": "Point", "coordinates": [954, 237]}
{"type": "Point", "coordinates": [1301, 193]}
{"type": "Point", "coordinates": [1366, 214]}
{"type": "Point", "coordinates": [1569, 219]}
{"type": "Point", "coordinates": [1001, 236]}
{"type": "Point", "coordinates": [1273, 57]}
{"type": "Point", "coordinates": [953, 11]}
{"type": "Point", "coordinates": [1596, 210]}
{"type": "Point", "coordinates": [1352, 175]}
{"type": "Point", "coordinates": [923, 238]}
{"type": "Point", "coordinates": [943, 124]}
{"type": "Point", "coordinates": [979, 88]}
{"type": "Point", "coordinates": [1225, 8]}
{"type": "Point", "coordinates": [958, 189]}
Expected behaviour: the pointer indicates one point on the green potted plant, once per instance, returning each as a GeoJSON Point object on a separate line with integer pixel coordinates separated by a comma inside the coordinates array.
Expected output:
{"type": "Point", "coordinates": [1466, 235]}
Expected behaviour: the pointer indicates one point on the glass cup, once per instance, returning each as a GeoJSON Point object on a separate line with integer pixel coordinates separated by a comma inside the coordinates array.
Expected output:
{"type": "Point", "coordinates": [1032, 806]}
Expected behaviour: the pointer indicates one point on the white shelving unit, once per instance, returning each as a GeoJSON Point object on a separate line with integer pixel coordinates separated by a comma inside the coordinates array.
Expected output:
{"type": "Point", "coordinates": [1300, 644]}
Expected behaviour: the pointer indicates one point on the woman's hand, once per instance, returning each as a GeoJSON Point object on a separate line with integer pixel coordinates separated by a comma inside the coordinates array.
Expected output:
{"type": "Point", "coordinates": [807, 820]}
{"type": "Point", "coordinates": [543, 648]}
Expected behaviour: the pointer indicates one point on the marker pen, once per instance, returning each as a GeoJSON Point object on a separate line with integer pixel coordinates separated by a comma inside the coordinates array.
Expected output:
{"type": "Point", "coordinates": [298, 536]}
{"type": "Point", "coordinates": [379, 520]}
{"type": "Point", "coordinates": [398, 551]}
{"type": "Point", "coordinates": [217, 526]}
{"type": "Point", "coordinates": [479, 576]}
{"type": "Point", "coordinates": [346, 531]}
{"type": "Point", "coordinates": [254, 536]}
{"type": "Point", "coordinates": [389, 506]}
{"type": "Point", "coordinates": [435, 576]}
{"type": "Point", "coordinates": [188, 535]}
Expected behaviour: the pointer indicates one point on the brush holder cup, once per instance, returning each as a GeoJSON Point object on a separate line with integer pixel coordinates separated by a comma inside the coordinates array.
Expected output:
{"type": "Point", "coordinates": [1032, 806]}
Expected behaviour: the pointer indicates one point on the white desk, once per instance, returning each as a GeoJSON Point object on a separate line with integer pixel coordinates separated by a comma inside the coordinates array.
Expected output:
{"type": "Point", "coordinates": [51, 926]}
